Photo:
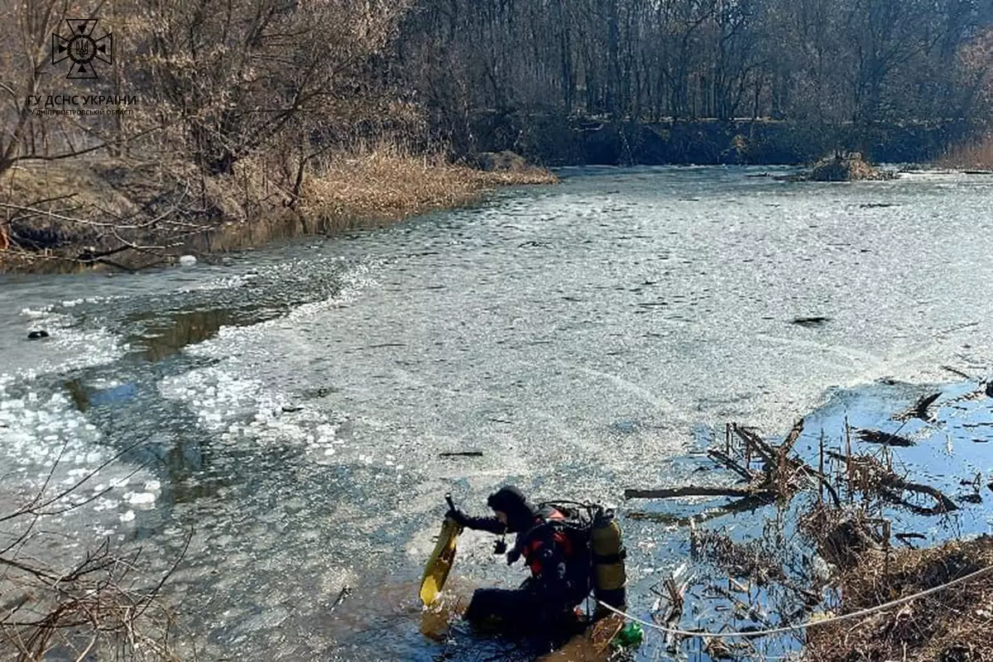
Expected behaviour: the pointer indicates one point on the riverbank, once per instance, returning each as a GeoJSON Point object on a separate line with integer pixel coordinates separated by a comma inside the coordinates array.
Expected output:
{"type": "Point", "coordinates": [131, 214]}
{"type": "Point", "coordinates": [910, 554]}
{"type": "Point", "coordinates": [943, 624]}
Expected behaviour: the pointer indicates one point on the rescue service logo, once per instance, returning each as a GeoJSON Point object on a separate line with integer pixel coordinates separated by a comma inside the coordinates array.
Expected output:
{"type": "Point", "coordinates": [81, 48]}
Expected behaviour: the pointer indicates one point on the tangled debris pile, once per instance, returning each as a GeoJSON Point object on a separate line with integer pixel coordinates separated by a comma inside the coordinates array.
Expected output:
{"type": "Point", "coordinates": [846, 167]}
{"type": "Point", "coordinates": [952, 625]}
{"type": "Point", "coordinates": [839, 534]}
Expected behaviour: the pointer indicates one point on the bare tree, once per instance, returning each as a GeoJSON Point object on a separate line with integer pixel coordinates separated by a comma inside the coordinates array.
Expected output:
{"type": "Point", "coordinates": [243, 76]}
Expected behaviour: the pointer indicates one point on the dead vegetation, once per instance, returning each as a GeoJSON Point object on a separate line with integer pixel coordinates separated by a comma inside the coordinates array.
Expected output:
{"type": "Point", "coordinates": [845, 167]}
{"type": "Point", "coordinates": [779, 474]}
{"type": "Point", "coordinates": [749, 560]}
{"type": "Point", "coordinates": [831, 536]}
{"type": "Point", "coordinates": [98, 604]}
{"type": "Point", "coordinates": [117, 212]}
{"type": "Point", "coordinates": [952, 625]}
{"type": "Point", "coordinates": [131, 214]}
{"type": "Point", "coordinates": [974, 156]}
{"type": "Point", "coordinates": [387, 183]}
{"type": "Point", "coordinates": [867, 475]}
{"type": "Point", "coordinates": [279, 120]}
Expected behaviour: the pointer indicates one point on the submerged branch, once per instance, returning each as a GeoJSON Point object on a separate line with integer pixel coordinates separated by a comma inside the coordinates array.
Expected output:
{"type": "Point", "coordinates": [693, 490]}
{"type": "Point", "coordinates": [884, 438]}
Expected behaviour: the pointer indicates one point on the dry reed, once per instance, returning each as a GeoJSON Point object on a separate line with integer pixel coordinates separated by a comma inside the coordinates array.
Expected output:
{"type": "Point", "coordinates": [387, 183]}
{"type": "Point", "coordinates": [974, 155]}
{"type": "Point", "coordinates": [247, 208]}
{"type": "Point", "coordinates": [951, 626]}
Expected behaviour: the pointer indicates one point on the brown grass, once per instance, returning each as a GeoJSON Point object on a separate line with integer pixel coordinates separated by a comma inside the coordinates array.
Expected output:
{"type": "Point", "coordinates": [948, 626]}
{"type": "Point", "coordinates": [974, 155]}
{"type": "Point", "coordinates": [388, 184]}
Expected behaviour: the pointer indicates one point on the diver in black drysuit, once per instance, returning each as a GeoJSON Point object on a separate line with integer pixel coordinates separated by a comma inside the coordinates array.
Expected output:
{"type": "Point", "coordinates": [557, 555]}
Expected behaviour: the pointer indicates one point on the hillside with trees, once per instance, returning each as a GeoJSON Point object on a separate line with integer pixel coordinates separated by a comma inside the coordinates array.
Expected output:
{"type": "Point", "coordinates": [212, 111]}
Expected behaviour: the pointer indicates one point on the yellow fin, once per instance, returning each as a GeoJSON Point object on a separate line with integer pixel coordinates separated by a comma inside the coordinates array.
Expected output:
{"type": "Point", "coordinates": [440, 562]}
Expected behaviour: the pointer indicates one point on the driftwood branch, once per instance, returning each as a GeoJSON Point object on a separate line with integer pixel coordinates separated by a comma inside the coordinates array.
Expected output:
{"type": "Point", "coordinates": [674, 612]}
{"type": "Point", "coordinates": [888, 481]}
{"type": "Point", "coordinates": [919, 409]}
{"type": "Point", "coordinates": [791, 438]}
{"type": "Point", "coordinates": [956, 371]}
{"type": "Point", "coordinates": [344, 593]}
{"type": "Point", "coordinates": [726, 461]}
{"type": "Point", "coordinates": [944, 504]}
{"type": "Point", "coordinates": [757, 444]}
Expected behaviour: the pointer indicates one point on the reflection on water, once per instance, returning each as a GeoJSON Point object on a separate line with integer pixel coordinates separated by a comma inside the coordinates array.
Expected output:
{"type": "Point", "coordinates": [166, 335]}
{"type": "Point", "coordinates": [84, 396]}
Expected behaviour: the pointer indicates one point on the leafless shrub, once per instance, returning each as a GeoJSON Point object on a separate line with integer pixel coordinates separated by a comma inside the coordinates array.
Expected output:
{"type": "Point", "coordinates": [101, 604]}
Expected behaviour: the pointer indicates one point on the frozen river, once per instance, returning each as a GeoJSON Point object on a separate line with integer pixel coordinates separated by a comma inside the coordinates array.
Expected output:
{"type": "Point", "coordinates": [291, 406]}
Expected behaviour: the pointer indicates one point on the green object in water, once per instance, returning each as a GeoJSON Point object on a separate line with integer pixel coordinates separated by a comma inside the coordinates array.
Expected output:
{"type": "Point", "coordinates": [629, 637]}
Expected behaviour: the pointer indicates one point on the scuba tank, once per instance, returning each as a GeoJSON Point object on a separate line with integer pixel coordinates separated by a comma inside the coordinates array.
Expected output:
{"type": "Point", "coordinates": [601, 536]}
{"type": "Point", "coordinates": [609, 576]}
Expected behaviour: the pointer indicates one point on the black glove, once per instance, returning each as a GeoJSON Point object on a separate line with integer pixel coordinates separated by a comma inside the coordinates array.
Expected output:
{"type": "Point", "coordinates": [513, 555]}
{"type": "Point", "coordinates": [457, 516]}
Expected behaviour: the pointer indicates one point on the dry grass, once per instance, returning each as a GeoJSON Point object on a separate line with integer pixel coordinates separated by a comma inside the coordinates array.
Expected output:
{"type": "Point", "coordinates": [955, 625]}
{"type": "Point", "coordinates": [740, 559]}
{"type": "Point", "coordinates": [975, 155]}
{"type": "Point", "coordinates": [844, 536]}
{"type": "Point", "coordinates": [388, 184]}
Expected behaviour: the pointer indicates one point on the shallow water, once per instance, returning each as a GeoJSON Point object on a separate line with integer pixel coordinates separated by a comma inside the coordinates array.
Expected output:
{"type": "Point", "coordinates": [586, 338]}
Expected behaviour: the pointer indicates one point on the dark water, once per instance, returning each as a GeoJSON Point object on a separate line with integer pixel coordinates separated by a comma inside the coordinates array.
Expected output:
{"type": "Point", "coordinates": [291, 407]}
